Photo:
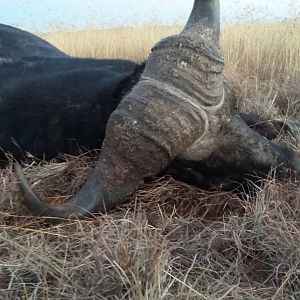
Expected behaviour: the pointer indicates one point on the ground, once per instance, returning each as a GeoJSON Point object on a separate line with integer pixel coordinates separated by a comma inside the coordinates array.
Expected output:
{"type": "Point", "coordinates": [171, 241]}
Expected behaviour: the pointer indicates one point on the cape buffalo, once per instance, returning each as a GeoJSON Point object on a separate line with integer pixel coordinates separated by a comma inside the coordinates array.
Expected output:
{"type": "Point", "coordinates": [42, 115]}
{"type": "Point", "coordinates": [177, 109]}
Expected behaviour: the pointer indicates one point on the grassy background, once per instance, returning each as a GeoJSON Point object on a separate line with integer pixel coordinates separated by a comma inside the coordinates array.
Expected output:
{"type": "Point", "coordinates": [172, 241]}
{"type": "Point", "coordinates": [267, 50]}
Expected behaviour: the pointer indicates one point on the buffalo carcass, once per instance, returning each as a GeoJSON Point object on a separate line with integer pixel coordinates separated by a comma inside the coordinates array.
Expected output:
{"type": "Point", "coordinates": [52, 103]}
{"type": "Point", "coordinates": [180, 108]}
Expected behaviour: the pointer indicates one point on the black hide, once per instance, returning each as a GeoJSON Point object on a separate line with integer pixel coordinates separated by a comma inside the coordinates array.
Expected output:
{"type": "Point", "coordinates": [51, 105]}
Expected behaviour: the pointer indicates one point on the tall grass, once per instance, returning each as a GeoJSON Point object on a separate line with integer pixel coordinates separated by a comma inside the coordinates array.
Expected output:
{"type": "Point", "coordinates": [121, 42]}
{"type": "Point", "coordinates": [264, 50]}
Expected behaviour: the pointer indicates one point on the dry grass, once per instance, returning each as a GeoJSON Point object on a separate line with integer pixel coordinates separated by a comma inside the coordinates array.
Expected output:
{"type": "Point", "coordinates": [263, 61]}
{"type": "Point", "coordinates": [264, 50]}
{"type": "Point", "coordinates": [172, 241]}
{"type": "Point", "coordinates": [132, 43]}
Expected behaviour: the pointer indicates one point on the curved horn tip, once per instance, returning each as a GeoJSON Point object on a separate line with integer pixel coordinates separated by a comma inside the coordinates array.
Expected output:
{"type": "Point", "coordinates": [205, 15]}
{"type": "Point", "coordinates": [31, 201]}
{"type": "Point", "coordinates": [77, 207]}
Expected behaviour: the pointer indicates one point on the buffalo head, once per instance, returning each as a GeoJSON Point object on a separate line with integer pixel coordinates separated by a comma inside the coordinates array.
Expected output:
{"type": "Point", "coordinates": [179, 109]}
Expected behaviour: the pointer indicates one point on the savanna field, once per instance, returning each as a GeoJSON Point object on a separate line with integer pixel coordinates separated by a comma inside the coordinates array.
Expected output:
{"type": "Point", "coordinates": [171, 241]}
